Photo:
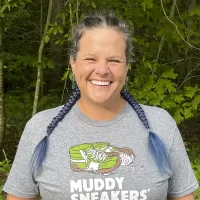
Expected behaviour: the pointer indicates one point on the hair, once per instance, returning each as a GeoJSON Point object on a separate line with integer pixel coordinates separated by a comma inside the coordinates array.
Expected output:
{"type": "Point", "coordinates": [156, 146]}
{"type": "Point", "coordinates": [42, 147]}
{"type": "Point", "coordinates": [102, 20]}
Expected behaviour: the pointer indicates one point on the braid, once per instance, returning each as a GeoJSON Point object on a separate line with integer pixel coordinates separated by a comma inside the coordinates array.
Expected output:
{"type": "Point", "coordinates": [156, 145]}
{"type": "Point", "coordinates": [41, 149]}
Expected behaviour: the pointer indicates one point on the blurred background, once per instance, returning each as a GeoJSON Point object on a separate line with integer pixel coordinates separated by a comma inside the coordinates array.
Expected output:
{"type": "Point", "coordinates": [35, 73]}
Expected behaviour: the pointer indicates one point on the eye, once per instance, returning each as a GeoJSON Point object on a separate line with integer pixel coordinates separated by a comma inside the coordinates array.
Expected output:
{"type": "Point", "coordinates": [114, 61]}
{"type": "Point", "coordinates": [90, 59]}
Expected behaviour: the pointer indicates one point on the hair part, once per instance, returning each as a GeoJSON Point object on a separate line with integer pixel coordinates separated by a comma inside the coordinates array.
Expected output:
{"type": "Point", "coordinates": [102, 20]}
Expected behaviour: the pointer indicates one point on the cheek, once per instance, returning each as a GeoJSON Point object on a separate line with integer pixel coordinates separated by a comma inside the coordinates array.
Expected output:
{"type": "Point", "coordinates": [83, 71]}
{"type": "Point", "coordinates": [120, 73]}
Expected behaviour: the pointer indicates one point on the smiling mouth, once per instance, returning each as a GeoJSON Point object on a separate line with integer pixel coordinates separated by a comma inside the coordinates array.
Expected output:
{"type": "Point", "coordinates": [101, 83]}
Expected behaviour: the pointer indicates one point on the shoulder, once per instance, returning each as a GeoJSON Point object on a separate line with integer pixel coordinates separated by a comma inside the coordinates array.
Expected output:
{"type": "Point", "coordinates": [161, 123]}
{"type": "Point", "coordinates": [44, 117]}
{"type": "Point", "coordinates": [36, 128]}
{"type": "Point", "coordinates": [157, 115]}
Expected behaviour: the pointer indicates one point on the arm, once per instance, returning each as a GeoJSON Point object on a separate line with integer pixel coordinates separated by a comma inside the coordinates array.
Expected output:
{"type": "Point", "coordinates": [182, 183]}
{"type": "Point", "coordinates": [188, 197]}
{"type": "Point", "coordinates": [11, 197]}
{"type": "Point", "coordinates": [20, 181]}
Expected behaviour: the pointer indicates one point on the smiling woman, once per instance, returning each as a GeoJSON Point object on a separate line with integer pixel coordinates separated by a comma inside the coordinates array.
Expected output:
{"type": "Point", "coordinates": [100, 70]}
{"type": "Point", "coordinates": [102, 144]}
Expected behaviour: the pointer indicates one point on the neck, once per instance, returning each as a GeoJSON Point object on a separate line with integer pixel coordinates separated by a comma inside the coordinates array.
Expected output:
{"type": "Point", "coordinates": [101, 112]}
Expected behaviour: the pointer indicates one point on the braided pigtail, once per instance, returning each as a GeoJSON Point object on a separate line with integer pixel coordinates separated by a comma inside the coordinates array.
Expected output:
{"type": "Point", "coordinates": [41, 149]}
{"type": "Point", "coordinates": [156, 145]}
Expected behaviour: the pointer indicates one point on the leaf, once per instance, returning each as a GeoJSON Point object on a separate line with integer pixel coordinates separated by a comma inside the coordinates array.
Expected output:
{"type": "Point", "coordinates": [50, 64]}
{"type": "Point", "coordinates": [66, 35]}
{"type": "Point", "coordinates": [190, 91]}
{"type": "Point", "coordinates": [50, 31]}
{"type": "Point", "coordinates": [140, 95]}
{"type": "Point", "coordinates": [57, 42]}
{"type": "Point", "coordinates": [61, 30]}
{"type": "Point", "coordinates": [169, 74]}
{"type": "Point", "coordinates": [93, 4]}
{"type": "Point", "coordinates": [55, 31]}
{"type": "Point", "coordinates": [155, 102]}
{"type": "Point", "coordinates": [152, 94]}
{"type": "Point", "coordinates": [169, 85]}
{"type": "Point", "coordinates": [147, 4]}
{"type": "Point", "coordinates": [149, 84]}
{"type": "Point", "coordinates": [196, 102]}
{"type": "Point", "coordinates": [178, 115]}
{"type": "Point", "coordinates": [155, 68]}
{"type": "Point", "coordinates": [46, 38]}
{"type": "Point", "coordinates": [168, 104]}
{"type": "Point", "coordinates": [161, 97]}
{"type": "Point", "coordinates": [67, 74]}
{"type": "Point", "coordinates": [148, 64]}
{"type": "Point", "coordinates": [188, 113]}
{"type": "Point", "coordinates": [159, 87]}
{"type": "Point", "coordinates": [187, 104]}
{"type": "Point", "coordinates": [178, 98]}
{"type": "Point", "coordinates": [63, 17]}
{"type": "Point", "coordinates": [161, 31]}
{"type": "Point", "coordinates": [195, 11]}
{"type": "Point", "coordinates": [1, 190]}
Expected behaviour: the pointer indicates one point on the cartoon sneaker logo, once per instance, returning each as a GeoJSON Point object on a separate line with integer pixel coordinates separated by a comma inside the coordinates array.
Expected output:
{"type": "Point", "coordinates": [99, 157]}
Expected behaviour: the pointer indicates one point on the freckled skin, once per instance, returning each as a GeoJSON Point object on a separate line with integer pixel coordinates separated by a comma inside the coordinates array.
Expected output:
{"type": "Point", "coordinates": [101, 49]}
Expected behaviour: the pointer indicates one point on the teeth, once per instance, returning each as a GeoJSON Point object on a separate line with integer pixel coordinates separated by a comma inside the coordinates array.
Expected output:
{"type": "Point", "coordinates": [100, 82]}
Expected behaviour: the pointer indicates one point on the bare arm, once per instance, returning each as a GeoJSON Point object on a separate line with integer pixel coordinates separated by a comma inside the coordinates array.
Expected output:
{"type": "Point", "coordinates": [188, 197]}
{"type": "Point", "coordinates": [11, 197]}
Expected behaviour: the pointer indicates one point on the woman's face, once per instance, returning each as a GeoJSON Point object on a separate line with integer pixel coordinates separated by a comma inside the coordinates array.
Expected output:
{"type": "Point", "coordinates": [100, 68]}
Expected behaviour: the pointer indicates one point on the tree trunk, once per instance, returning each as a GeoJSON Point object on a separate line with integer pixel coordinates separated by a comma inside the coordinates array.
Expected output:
{"type": "Point", "coordinates": [171, 15]}
{"type": "Point", "coordinates": [191, 5]}
{"type": "Point", "coordinates": [40, 56]}
{"type": "Point", "coordinates": [57, 50]}
{"type": "Point", "coordinates": [2, 118]}
{"type": "Point", "coordinates": [41, 32]}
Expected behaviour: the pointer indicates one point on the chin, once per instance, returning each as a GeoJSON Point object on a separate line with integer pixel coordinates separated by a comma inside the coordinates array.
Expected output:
{"type": "Point", "coordinates": [102, 100]}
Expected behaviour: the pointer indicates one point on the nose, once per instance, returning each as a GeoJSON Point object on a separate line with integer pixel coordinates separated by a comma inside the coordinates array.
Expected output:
{"type": "Point", "coordinates": [102, 68]}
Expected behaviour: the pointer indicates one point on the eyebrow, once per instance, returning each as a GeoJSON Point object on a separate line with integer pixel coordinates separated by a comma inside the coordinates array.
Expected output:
{"type": "Point", "coordinates": [88, 55]}
{"type": "Point", "coordinates": [116, 57]}
{"type": "Point", "coordinates": [110, 57]}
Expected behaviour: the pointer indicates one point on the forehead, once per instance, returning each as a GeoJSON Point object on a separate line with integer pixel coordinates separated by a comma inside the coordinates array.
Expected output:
{"type": "Point", "coordinates": [102, 39]}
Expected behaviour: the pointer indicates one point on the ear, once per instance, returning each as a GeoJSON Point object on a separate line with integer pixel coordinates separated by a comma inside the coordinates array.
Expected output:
{"type": "Point", "coordinates": [72, 63]}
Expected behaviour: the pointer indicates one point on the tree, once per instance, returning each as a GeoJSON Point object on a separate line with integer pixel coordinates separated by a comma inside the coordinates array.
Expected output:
{"type": "Point", "coordinates": [2, 118]}
{"type": "Point", "coordinates": [5, 8]}
{"type": "Point", "coordinates": [40, 59]}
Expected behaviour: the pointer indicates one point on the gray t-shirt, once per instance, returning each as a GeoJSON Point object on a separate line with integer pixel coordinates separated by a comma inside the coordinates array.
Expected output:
{"type": "Point", "coordinates": [101, 160]}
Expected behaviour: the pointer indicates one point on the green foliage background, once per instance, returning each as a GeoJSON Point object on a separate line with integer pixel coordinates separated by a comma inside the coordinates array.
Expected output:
{"type": "Point", "coordinates": [161, 74]}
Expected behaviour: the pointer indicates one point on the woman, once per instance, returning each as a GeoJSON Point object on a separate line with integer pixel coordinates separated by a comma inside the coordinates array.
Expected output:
{"type": "Point", "coordinates": [101, 145]}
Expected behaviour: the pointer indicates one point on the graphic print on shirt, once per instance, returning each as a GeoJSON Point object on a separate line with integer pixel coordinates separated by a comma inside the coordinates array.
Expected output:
{"type": "Point", "coordinates": [99, 157]}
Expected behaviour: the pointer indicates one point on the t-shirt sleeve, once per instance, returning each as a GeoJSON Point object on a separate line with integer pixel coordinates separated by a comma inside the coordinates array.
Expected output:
{"type": "Point", "coordinates": [20, 182]}
{"type": "Point", "coordinates": [182, 181]}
